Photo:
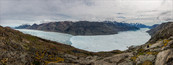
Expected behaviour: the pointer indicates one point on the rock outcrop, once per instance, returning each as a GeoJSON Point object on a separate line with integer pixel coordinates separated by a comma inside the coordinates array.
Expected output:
{"type": "Point", "coordinates": [119, 59]}
{"type": "Point", "coordinates": [162, 31]}
{"type": "Point", "coordinates": [165, 57]}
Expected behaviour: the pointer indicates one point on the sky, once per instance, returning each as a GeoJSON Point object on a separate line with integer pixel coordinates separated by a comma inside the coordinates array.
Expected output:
{"type": "Point", "coordinates": [17, 12]}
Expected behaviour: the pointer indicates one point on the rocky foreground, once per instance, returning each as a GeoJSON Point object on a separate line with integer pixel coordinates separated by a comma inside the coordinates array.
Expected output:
{"type": "Point", "coordinates": [22, 49]}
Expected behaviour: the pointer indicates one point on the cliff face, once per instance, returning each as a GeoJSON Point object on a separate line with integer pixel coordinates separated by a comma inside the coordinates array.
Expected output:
{"type": "Point", "coordinates": [22, 49]}
{"type": "Point", "coordinates": [82, 27]}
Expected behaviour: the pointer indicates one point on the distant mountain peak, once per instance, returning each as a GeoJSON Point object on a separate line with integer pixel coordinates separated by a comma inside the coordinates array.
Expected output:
{"type": "Point", "coordinates": [83, 27]}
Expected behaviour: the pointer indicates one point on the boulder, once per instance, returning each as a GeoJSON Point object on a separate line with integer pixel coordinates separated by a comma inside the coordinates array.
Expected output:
{"type": "Point", "coordinates": [119, 59]}
{"type": "Point", "coordinates": [146, 57]}
{"type": "Point", "coordinates": [157, 44]}
{"type": "Point", "coordinates": [165, 57]}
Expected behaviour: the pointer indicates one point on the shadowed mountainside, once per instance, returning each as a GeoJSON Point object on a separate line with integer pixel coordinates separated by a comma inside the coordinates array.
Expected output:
{"type": "Point", "coordinates": [84, 27]}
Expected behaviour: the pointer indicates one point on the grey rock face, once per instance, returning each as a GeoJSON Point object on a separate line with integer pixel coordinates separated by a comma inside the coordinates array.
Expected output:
{"type": "Point", "coordinates": [143, 58]}
{"type": "Point", "coordinates": [165, 57]}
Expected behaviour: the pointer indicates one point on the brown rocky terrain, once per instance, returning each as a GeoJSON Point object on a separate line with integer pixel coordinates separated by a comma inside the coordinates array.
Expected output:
{"type": "Point", "coordinates": [22, 49]}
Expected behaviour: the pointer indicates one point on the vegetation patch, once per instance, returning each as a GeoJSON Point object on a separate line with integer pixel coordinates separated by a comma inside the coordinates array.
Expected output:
{"type": "Point", "coordinates": [47, 58]}
{"type": "Point", "coordinates": [165, 42]}
{"type": "Point", "coordinates": [4, 61]}
{"type": "Point", "coordinates": [134, 58]}
{"type": "Point", "coordinates": [147, 63]}
{"type": "Point", "coordinates": [152, 53]}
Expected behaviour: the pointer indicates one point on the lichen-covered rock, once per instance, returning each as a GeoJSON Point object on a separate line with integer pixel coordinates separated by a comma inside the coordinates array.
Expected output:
{"type": "Point", "coordinates": [143, 58]}
{"type": "Point", "coordinates": [61, 64]}
{"type": "Point", "coordinates": [126, 63]}
{"type": "Point", "coordinates": [157, 44]}
{"type": "Point", "coordinates": [165, 57]}
{"type": "Point", "coordinates": [120, 59]}
{"type": "Point", "coordinates": [169, 44]}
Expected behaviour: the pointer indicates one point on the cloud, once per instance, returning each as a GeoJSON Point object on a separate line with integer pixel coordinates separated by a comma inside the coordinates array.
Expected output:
{"type": "Point", "coordinates": [34, 11]}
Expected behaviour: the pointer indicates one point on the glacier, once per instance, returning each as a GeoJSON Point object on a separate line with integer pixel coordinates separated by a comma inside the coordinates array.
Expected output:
{"type": "Point", "coordinates": [120, 41]}
{"type": "Point", "coordinates": [53, 36]}
{"type": "Point", "coordinates": [97, 43]}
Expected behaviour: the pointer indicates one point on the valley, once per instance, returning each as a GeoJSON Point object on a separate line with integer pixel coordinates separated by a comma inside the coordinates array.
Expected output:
{"type": "Point", "coordinates": [95, 43]}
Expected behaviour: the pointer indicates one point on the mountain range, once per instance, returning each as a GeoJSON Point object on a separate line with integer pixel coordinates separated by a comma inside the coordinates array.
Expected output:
{"type": "Point", "coordinates": [85, 27]}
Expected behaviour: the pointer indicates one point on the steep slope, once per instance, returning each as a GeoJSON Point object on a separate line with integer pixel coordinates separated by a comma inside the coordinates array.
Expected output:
{"type": "Point", "coordinates": [82, 27]}
{"type": "Point", "coordinates": [162, 31]}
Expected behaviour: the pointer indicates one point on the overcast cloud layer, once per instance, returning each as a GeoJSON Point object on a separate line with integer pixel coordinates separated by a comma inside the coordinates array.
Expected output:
{"type": "Point", "coordinates": [16, 12]}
